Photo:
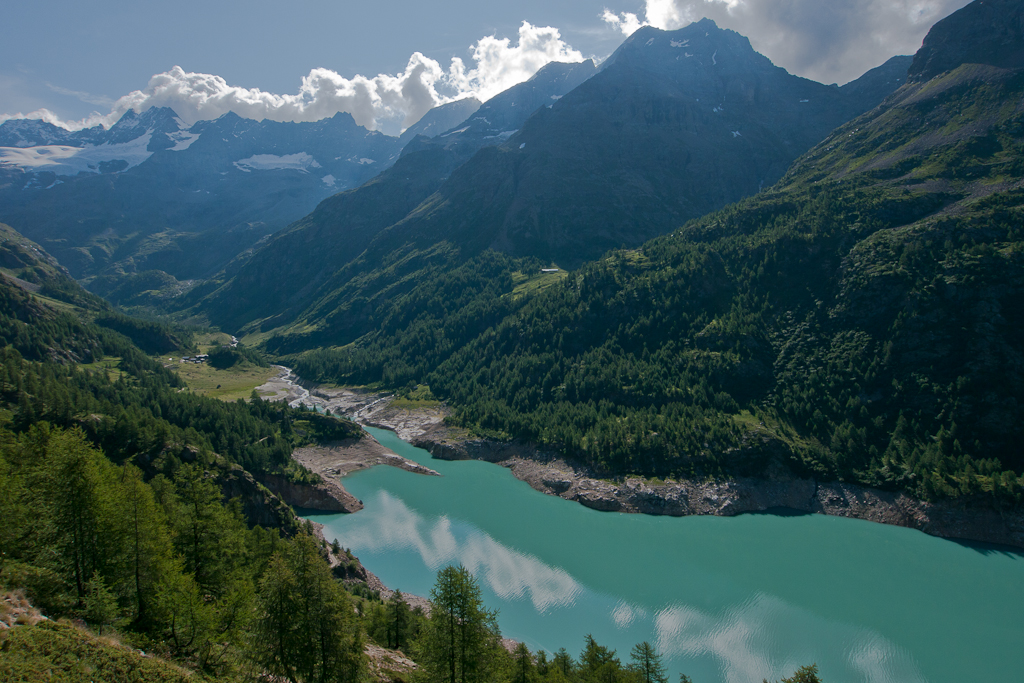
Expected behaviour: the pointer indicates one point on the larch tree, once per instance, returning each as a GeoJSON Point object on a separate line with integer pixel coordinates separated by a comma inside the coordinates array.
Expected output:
{"type": "Point", "coordinates": [647, 662]}
{"type": "Point", "coordinates": [306, 629]}
{"type": "Point", "coordinates": [462, 643]}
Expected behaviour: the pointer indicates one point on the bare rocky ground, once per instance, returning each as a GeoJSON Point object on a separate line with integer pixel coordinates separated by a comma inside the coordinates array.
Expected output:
{"type": "Point", "coordinates": [330, 461]}
{"type": "Point", "coordinates": [344, 457]}
{"type": "Point", "coordinates": [388, 665]}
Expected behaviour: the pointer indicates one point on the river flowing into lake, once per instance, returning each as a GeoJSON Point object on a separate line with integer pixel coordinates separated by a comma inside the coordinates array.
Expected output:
{"type": "Point", "coordinates": [724, 599]}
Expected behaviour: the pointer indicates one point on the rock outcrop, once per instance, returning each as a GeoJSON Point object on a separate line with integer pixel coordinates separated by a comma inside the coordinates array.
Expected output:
{"type": "Point", "coordinates": [326, 496]}
{"type": "Point", "coordinates": [984, 32]}
{"type": "Point", "coordinates": [259, 505]}
{"type": "Point", "coordinates": [16, 610]}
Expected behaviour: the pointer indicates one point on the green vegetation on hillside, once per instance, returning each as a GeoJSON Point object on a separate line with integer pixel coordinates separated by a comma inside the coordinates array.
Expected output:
{"type": "Point", "coordinates": [127, 504]}
{"type": "Point", "coordinates": [861, 321]}
{"type": "Point", "coordinates": [165, 562]}
{"type": "Point", "coordinates": [58, 651]}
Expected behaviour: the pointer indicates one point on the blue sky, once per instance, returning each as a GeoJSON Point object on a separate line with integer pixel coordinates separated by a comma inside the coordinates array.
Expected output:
{"type": "Point", "coordinates": [77, 58]}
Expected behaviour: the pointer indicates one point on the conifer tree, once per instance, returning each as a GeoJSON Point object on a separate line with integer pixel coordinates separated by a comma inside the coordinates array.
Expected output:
{"type": "Point", "coordinates": [72, 483]}
{"type": "Point", "coordinates": [100, 604]}
{"type": "Point", "coordinates": [305, 627]}
{"type": "Point", "coordinates": [148, 552]}
{"type": "Point", "coordinates": [462, 641]}
{"type": "Point", "coordinates": [398, 620]}
{"type": "Point", "coordinates": [523, 667]}
{"type": "Point", "coordinates": [647, 662]}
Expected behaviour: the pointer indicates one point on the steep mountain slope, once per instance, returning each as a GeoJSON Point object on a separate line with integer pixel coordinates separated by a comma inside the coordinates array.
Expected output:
{"type": "Point", "coordinates": [989, 32]}
{"type": "Point", "coordinates": [677, 123]}
{"type": "Point", "coordinates": [441, 119]}
{"type": "Point", "coordinates": [342, 226]}
{"type": "Point", "coordinates": [152, 195]}
{"type": "Point", "coordinates": [863, 319]}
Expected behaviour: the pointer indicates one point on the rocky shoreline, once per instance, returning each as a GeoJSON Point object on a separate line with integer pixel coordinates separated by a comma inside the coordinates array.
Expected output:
{"type": "Point", "coordinates": [424, 428]}
{"type": "Point", "coordinates": [329, 461]}
{"type": "Point", "coordinates": [553, 475]}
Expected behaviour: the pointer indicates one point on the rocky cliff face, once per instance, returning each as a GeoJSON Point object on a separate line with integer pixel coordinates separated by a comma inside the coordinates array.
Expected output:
{"type": "Point", "coordinates": [259, 505]}
{"type": "Point", "coordinates": [327, 496]}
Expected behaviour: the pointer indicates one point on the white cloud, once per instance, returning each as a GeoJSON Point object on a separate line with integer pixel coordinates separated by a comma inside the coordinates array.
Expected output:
{"type": "Point", "coordinates": [500, 65]}
{"type": "Point", "coordinates": [833, 41]}
{"type": "Point", "coordinates": [384, 102]}
{"type": "Point", "coordinates": [88, 98]}
{"type": "Point", "coordinates": [627, 22]}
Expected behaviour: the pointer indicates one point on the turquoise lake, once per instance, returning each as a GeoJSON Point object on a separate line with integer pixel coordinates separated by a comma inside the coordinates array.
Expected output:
{"type": "Point", "coordinates": [724, 599]}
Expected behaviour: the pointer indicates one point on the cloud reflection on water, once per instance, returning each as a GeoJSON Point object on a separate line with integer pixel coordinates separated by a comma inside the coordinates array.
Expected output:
{"type": "Point", "coordinates": [743, 639]}
{"type": "Point", "coordinates": [509, 573]}
{"type": "Point", "coordinates": [762, 637]}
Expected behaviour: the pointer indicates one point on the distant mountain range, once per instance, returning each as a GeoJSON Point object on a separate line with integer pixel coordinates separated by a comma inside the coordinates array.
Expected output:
{"type": "Point", "coordinates": [343, 226]}
{"type": "Point", "coordinates": [151, 193]}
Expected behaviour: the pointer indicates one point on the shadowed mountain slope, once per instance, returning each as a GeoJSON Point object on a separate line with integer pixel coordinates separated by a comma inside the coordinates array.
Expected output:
{"type": "Point", "coordinates": [674, 125]}
{"type": "Point", "coordinates": [342, 226]}
{"type": "Point", "coordinates": [151, 202]}
{"type": "Point", "coordinates": [989, 32]}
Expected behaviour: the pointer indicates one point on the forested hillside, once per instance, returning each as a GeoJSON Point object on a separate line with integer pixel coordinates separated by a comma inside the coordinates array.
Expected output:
{"type": "Point", "coordinates": [130, 502]}
{"type": "Point", "coordinates": [861, 320]}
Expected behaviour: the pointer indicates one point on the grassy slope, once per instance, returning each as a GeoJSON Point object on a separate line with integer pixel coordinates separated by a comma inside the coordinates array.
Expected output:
{"type": "Point", "coordinates": [50, 651]}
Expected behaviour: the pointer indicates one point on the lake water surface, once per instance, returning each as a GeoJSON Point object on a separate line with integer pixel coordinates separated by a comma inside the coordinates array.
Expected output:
{"type": "Point", "coordinates": [724, 599]}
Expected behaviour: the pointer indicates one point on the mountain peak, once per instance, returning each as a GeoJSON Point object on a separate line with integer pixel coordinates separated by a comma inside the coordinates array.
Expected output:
{"type": "Point", "coordinates": [701, 45]}
{"type": "Point", "coordinates": [984, 32]}
{"type": "Point", "coordinates": [159, 114]}
{"type": "Point", "coordinates": [155, 120]}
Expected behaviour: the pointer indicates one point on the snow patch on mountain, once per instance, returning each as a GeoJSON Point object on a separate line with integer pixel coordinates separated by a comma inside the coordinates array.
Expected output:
{"type": "Point", "coordinates": [67, 161]}
{"type": "Point", "coordinates": [270, 162]}
{"type": "Point", "coordinates": [182, 140]}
